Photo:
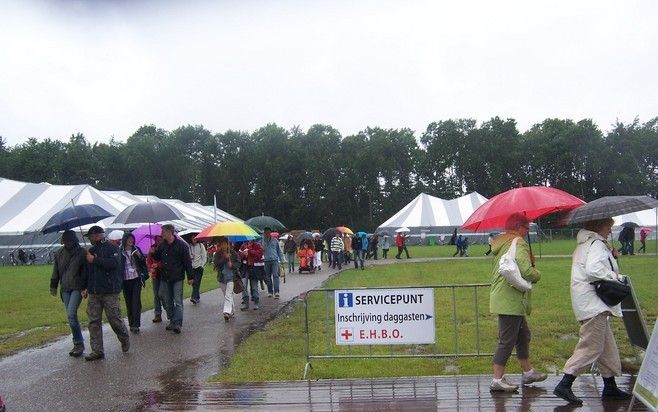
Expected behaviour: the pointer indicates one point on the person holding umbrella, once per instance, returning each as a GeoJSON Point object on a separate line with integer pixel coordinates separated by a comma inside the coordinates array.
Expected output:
{"type": "Point", "coordinates": [643, 239]}
{"type": "Point", "coordinates": [174, 256]}
{"type": "Point", "coordinates": [102, 285]}
{"type": "Point", "coordinates": [593, 260]}
{"type": "Point", "coordinates": [227, 264]}
{"type": "Point", "coordinates": [512, 306]}
{"type": "Point", "coordinates": [133, 269]}
{"type": "Point", "coordinates": [68, 270]}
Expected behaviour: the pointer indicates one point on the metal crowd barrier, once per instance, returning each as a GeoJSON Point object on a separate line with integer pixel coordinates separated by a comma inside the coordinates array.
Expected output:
{"type": "Point", "coordinates": [320, 336]}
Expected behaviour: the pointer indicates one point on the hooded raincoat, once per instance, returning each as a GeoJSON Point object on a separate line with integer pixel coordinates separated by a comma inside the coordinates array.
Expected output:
{"type": "Point", "coordinates": [592, 261]}
{"type": "Point", "coordinates": [504, 299]}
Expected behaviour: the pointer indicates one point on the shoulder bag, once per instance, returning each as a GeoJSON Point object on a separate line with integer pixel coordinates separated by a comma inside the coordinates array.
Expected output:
{"type": "Point", "coordinates": [611, 292]}
{"type": "Point", "coordinates": [509, 269]}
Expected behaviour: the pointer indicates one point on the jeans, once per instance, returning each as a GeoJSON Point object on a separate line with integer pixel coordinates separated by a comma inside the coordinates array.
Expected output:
{"type": "Point", "coordinates": [358, 257]}
{"type": "Point", "coordinates": [250, 285]}
{"type": "Point", "coordinates": [291, 261]}
{"type": "Point", "coordinates": [157, 302]}
{"type": "Point", "coordinates": [72, 301]}
{"type": "Point", "coordinates": [196, 283]}
{"type": "Point", "coordinates": [384, 253]}
{"type": "Point", "coordinates": [336, 259]}
{"type": "Point", "coordinates": [171, 293]}
{"type": "Point", "coordinates": [272, 276]}
{"type": "Point", "coordinates": [132, 295]}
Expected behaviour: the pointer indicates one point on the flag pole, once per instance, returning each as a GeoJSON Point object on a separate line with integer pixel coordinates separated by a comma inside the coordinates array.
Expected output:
{"type": "Point", "coordinates": [214, 203]}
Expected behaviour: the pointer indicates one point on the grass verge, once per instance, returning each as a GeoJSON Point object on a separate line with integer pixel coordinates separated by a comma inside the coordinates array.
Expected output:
{"type": "Point", "coordinates": [555, 331]}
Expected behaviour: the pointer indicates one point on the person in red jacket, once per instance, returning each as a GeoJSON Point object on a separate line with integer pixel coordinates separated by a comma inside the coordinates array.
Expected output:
{"type": "Point", "coordinates": [252, 252]}
{"type": "Point", "coordinates": [400, 242]}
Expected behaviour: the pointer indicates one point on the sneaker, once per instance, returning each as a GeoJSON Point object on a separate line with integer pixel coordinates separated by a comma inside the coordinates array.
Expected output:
{"type": "Point", "coordinates": [170, 326]}
{"type": "Point", "coordinates": [226, 317]}
{"type": "Point", "coordinates": [255, 307]}
{"type": "Point", "coordinates": [134, 329]}
{"type": "Point", "coordinates": [532, 376]}
{"type": "Point", "coordinates": [157, 319]}
{"type": "Point", "coordinates": [276, 296]}
{"type": "Point", "coordinates": [125, 345]}
{"type": "Point", "coordinates": [176, 329]}
{"type": "Point", "coordinates": [94, 356]}
{"type": "Point", "coordinates": [269, 295]}
{"type": "Point", "coordinates": [244, 307]}
{"type": "Point", "coordinates": [501, 385]}
{"type": "Point", "coordinates": [194, 301]}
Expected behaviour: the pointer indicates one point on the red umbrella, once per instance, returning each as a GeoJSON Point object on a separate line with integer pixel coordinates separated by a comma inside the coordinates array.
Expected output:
{"type": "Point", "coordinates": [532, 201]}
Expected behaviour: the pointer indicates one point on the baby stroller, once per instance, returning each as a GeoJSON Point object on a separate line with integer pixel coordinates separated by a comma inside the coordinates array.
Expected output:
{"type": "Point", "coordinates": [306, 255]}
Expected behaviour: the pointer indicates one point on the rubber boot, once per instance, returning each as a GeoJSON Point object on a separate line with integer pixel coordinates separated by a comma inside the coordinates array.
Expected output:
{"type": "Point", "coordinates": [611, 392]}
{"type": "Point", "coordinates": [563, 390]}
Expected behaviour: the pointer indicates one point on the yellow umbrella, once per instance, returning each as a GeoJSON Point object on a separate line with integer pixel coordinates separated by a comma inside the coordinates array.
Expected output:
{"type": "Point", "coordinates": [233, 231]}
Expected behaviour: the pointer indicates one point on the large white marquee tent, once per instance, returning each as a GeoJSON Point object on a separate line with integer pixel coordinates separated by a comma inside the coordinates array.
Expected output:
{"type": "Point", "coordinates": [430, 215]}
{"type": "Point", "coordinates": [26, 207]}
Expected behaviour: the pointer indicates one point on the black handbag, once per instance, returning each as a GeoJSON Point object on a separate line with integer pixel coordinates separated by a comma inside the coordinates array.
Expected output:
{"type": "Point", "coordinates": [611, 292]}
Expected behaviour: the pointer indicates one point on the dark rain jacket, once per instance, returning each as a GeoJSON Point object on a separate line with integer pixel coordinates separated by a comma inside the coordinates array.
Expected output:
{"type": "Point", "coordinates": [103, 276]}
{"type": "Point", "coordinates": [175, 261]}
{"type": "Point", "coordinates": [69, 269]}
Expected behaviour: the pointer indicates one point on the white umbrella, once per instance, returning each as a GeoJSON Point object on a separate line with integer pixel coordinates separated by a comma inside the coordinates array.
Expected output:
{"type": "Point", "coordinates": [403, 229]}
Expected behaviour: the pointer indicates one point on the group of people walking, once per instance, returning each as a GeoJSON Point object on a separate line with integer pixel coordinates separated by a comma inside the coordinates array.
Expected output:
{"type": "Point", "coordinates": [101, 272]}
{"type": "Point", "coordinates": [594, 259]}
{"type": "Point", "coordinates": [105, 269]}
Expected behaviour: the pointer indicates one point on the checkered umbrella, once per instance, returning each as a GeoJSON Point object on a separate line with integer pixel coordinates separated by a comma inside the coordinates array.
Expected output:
{"type": "Point", "coordinates": [610, 206]}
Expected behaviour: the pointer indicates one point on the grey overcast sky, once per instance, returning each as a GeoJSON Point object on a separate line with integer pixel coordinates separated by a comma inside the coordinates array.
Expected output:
{"type": "Point", "coordinates": [104, 68]}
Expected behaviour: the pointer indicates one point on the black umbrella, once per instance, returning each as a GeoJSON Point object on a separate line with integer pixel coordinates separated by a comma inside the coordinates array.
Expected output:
{"type": "Point", "coordinates": [329, 233]}
{"type": "Point", "coordinates": [610, 206]}
{"type": "Point", "coordinates": [261, 222]}
{"type": "Point", "coordinates": [383, 232]}
{"type": "Point", "coordinates": [630, 224]}
{"type": "Point", "coordinates": [148, 212]}
{"type": "Point", "coordinates": [74, 216]}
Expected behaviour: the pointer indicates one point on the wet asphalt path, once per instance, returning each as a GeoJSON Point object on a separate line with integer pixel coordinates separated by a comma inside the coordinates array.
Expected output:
{"type": "Point", "coordinates": [159, 363]}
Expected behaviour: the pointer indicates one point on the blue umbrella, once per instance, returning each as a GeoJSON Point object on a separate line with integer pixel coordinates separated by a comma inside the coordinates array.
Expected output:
{"type": "Point", "coordinates": [74, 216]}
{"type": "Point", "coordinates": [361, 234]}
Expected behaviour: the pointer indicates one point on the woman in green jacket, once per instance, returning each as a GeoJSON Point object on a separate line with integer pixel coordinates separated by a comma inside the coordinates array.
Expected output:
{"type": "Point", "coordinates": [512, 305]}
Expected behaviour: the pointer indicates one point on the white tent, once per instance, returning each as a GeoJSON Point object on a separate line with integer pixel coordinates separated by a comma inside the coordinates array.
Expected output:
{"type": "Point", "coordinates": [26, 207]}
{"type": "Point", "coordinates": [645, 218]}
{"type": "Point", "coordinates": [427, 214]}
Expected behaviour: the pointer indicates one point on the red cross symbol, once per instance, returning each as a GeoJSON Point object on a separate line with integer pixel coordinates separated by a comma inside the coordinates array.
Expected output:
{"type": "Point", "coordinates": [346, 334]}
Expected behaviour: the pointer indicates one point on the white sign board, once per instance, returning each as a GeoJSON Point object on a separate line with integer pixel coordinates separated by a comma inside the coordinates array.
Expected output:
{"type": "Point", "coordinates": [384, 316]}
{"type": "Point", "coordinates": [646, 385]}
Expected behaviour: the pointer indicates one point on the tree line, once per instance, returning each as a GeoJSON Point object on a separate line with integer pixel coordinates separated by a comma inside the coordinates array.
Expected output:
{"type": "Point", "coordinates": [318, 178]}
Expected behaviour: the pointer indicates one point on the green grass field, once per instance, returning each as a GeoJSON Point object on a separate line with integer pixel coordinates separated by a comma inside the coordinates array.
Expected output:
{"type": "Point", "coordinates": [555, 330]}
{"type": "Point", "coordinates": [32, 317]}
